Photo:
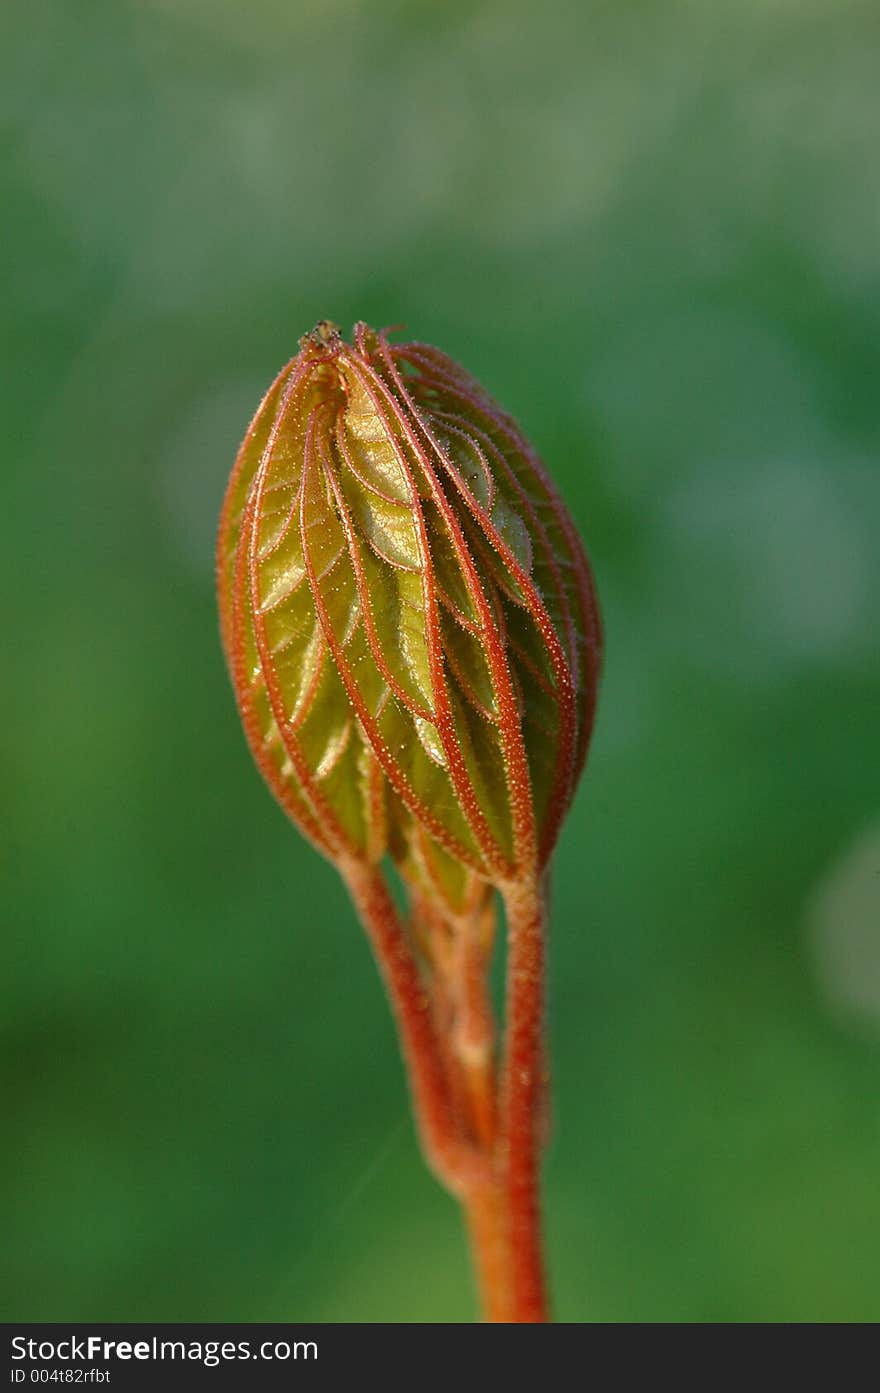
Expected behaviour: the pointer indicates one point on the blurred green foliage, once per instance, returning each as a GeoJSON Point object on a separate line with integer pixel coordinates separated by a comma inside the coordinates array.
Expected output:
{"type": "Point", "coordinates": [652, 231]}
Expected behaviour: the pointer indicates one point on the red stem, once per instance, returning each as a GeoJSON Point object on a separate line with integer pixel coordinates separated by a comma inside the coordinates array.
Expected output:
{"type": "Point", "coordinates": [523, 1084]}
{"type": "Point", "coordinates": [496, 1178]}
{"type": "Point", "coordinates": [454, 1160]}
{"type": "Point", "coordinates": [488, 1230]}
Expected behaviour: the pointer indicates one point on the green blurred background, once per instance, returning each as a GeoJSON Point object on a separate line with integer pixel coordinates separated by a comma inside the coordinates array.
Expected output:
{"type": "Point", "coordinates": [652, 230]}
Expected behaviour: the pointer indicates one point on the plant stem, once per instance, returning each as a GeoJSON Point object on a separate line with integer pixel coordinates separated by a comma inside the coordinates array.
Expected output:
{"type": "Point", "coordinates": [495, 1176]}
{"type": "Point", "coordinates": [523, 1083]}
{"type": "Point", "coordinates": [455, 1162]}
{"type": "Point", "coordinates": [488, 1232]}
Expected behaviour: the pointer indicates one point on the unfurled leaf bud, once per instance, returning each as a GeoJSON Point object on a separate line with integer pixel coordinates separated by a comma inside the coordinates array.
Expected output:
{"type": "Point", "coordinates": [413, 636]}
{"type": "Point", "coordinates": [408, 615]}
